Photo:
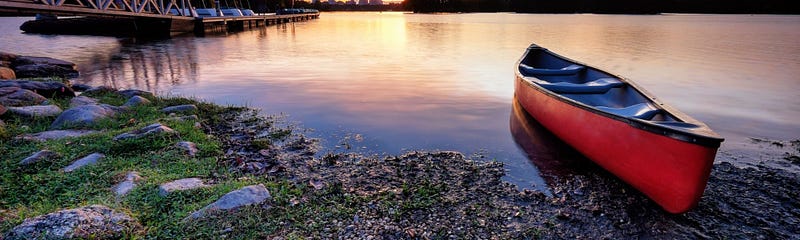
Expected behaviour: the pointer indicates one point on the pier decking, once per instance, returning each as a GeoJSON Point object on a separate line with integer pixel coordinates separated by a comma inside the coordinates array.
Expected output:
{"type": "Point", "coordinates": [153, 15]}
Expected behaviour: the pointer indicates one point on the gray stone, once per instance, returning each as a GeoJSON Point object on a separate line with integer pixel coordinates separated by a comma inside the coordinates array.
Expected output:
{"type": "Point", "coordinates": [92, 222]}
{"type": "Point", "coordinates": [152, 129]}
{"type": "Point", "coordinates": [180, 108]}
{"type": "Point", "coordinates": [15, 96]}
{"type": "Point", "coordinates": [82, 100]}
{"type": "Point", "coordinates": [253, 194]}
{"type": "Point", "coordinates": [190, 147]}
{"type": "Point", "coordinates": [124, 187]}
{"type": "Point", "coordinates": [28, 60]}
{"type": "Point", "coordinates": [55, 134]}
{"type": "Point", "coordinates": [133, 92]}
{"type": "Point", "coordinates": [39, 156]}
{"type": "Point", "coordinates": [45, 88]}
{"type": "Point", "coordinates": [44, 70]}
{"type": "Point", "coordinates": [91, 159]}
{"type": "Point", "coordinates": [180, 185]}
{"type": "Point", "coordinates": [83, 116]}
{"type": "Point", "coordinates": [136, 101]}
{"type": "Point", "coordinates": [35, 111]}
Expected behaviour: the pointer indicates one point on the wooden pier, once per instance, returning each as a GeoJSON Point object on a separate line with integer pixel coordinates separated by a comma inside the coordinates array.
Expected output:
{"type": "Point", "coordinates": [151, 17]}
{"type": "Point", "coordinates": [233, 24]}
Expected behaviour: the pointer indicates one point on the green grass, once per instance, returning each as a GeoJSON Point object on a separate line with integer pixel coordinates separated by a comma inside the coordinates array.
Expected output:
{"type": "Point", "coordinates": [295, 211]}
{"type": "Point", "coordinates": [41, 188]}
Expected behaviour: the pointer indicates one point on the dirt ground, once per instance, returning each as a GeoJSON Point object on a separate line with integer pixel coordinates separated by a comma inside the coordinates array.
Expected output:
{"type": "Point", "coordinates": [435, 195]}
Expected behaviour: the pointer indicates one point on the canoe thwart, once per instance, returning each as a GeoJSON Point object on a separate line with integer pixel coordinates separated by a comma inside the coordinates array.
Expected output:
{"type": "Point", "coordinates": [641, 111]}
{"type": "Point", "coordinates": [568, 70]}
{"type": "Point", "coordinates": [601, 85]}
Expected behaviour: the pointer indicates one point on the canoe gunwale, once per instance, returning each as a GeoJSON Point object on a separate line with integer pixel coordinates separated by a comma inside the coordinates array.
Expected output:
{"type": "Point", "coordinates": [702, 135]}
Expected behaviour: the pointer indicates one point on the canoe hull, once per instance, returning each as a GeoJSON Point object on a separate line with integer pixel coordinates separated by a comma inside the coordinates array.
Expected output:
{"type": "Point", "coordinates": [671, 172]}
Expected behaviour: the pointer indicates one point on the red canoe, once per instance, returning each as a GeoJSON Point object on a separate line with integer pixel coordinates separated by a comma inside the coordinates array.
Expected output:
{"type": "Point", "coordinates": [660, 151]}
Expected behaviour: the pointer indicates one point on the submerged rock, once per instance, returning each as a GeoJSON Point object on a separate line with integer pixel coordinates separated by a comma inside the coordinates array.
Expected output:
{"type": "Point", "coordinates": [180, 185]}
{"type": "Point", "coordinates": [36, 111]}
{"type": "Point", "coordinates": [249, 195]}
{"type": "Point", "coordinates": [180, 109]}
{"type": "Point", "coordinates": [83, 116]}
{"type": "Point", "coordinates": [92, 222]}
{"type": "Point", "coordinates": [55, 134]}
{"type": "Point", "coordinates": [152, 129]}
{"type": "Point", "coordinates": [124, 187]}
{"type": "Point", "coordinates": [39, 156]}
{"type": "Point", "coordinates": [16, 96]}
{"type": "Point", "coordinates": [91, 159]}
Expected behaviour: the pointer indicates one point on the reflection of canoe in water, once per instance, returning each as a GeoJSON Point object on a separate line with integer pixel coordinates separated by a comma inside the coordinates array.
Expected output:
{"type": "Point", "coordinates": [658, 150]}
{"type": "Point", "coordinates": [553, 157]}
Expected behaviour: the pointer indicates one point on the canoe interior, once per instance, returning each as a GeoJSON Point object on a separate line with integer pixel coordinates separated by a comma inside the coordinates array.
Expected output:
{"type": "Point", "coordinates": [590, 88]}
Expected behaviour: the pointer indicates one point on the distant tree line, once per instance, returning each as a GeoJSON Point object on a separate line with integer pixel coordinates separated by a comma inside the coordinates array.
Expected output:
{"type": "Point", "coordinates": [607, 6]}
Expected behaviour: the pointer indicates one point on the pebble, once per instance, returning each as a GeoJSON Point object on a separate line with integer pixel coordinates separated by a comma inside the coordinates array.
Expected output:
{"type": "Point", "coordinates": [91, 159]}
{"type": "Point", "coordinates": [39, 156]}
{"type": "Point", "coordinates": [180, 185]}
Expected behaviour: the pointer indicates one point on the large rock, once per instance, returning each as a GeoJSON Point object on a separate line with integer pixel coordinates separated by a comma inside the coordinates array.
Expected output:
{"type": "Point", "coordinates": [152, 129]}
{"type": "Point", "coordinates": [39, 156]}
{"type": "Point", "coordinates": [28, 60]}
{"type": "Point", "coordinates": [253, 194]}
{"type": "Point", "coordinates": [133, 92]}
{"type": "Point", "coordinates": [35, 111]}
{"type": "Point", "coordinates": [34, 67]}
{"type": "Point", "coordinates": [180, 185]}
{"type": "Point", "coordinates": [92, 222]}
{"type": "Point", "coordinates": [124, 187]}
{"type": "Point", "coordinates": [15, 96]}
{"type": "Point", "coordinates": [82, 100]}
{"type": "Point", "coordinates": [91, 159]}
{"type": "Point", "coordinates": [136, 101]}
{"type": "Point", "coordinates": [44, 70]}
{"type": "Point", "coordinates": [7, 57]}
{"type": "Point", "coordinates": [83, 116]}
{"type": "Point", "coordinates": [44, 88]}
{"type": "Point", "coordinates": [55, 134]}
{"type": "Point", "coordinates": [7, 73]}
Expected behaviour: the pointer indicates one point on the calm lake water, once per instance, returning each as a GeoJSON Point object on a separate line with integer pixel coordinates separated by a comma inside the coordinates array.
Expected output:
{"type": "Point", "coordinates": [391, 82]}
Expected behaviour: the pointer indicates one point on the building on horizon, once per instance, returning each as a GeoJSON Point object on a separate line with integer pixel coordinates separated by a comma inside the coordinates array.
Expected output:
{"type": "Point", "coordinates": [363, 2]}
{"type": "Point", "coordinates": [375, 2]}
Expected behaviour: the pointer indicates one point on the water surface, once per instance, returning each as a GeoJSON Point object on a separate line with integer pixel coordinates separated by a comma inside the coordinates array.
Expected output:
{"type": "Point", "coordinates": [393, 82]}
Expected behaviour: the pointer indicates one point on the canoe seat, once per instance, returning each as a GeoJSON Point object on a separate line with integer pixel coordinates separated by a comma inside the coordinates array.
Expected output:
{"type": "Point", "coordinates": [568, 70]}
{"type": "Point", "coordinates": [640, 111]}
{"type": "Point", "coordinates": [601, 85]}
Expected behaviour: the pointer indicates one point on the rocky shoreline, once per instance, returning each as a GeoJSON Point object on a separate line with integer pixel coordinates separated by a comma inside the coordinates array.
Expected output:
{"type": "Point", "coordinates": [128, 164]}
